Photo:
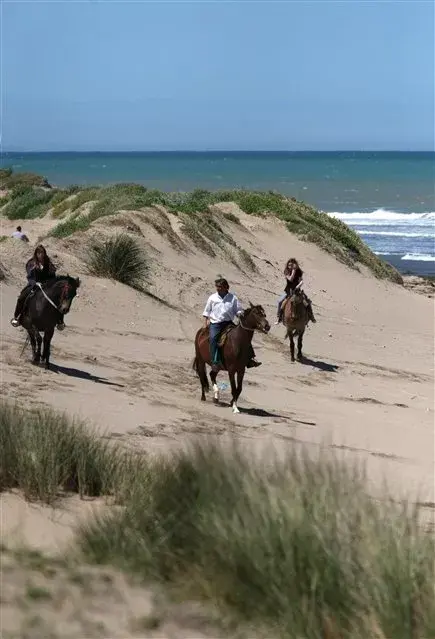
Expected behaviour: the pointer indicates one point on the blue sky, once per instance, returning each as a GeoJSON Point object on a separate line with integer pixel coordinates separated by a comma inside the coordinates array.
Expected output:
{"type": "Point", "coordinates": [218, 75]}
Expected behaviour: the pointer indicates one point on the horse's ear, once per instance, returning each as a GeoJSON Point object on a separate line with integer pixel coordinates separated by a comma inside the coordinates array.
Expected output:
{"type": "Point", "coordinates": [78, 281]}
{"type": "Point", "coordinates": [251, 304]}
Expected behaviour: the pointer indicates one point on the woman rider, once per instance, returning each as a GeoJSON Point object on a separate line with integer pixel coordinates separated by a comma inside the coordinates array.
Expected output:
{"type": "Point", "coordinates": [39, 269]}
{"type": "Point", "coordinates": [293, 274]}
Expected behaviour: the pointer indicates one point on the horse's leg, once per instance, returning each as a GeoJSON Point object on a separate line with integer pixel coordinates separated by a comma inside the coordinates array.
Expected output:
{"type": "Point", "coordinates": [39, 343]}
{"type": "Point", "coordinates": [48, 334]}
{"type": "Point", "coordinates": [213, 376]}
{"type": "Point", "coordinates": [292, 346]}
{"type": "Point", "coordinates": [232, 377]}
{"type": "Point", "coordinates": [202, 374]}
{"type": "Point", "coordinates": [300, 339]}
{"type": "Point", "coordinates": [32, 338]}
{"type": "Point", "coordinates": [240, 376]}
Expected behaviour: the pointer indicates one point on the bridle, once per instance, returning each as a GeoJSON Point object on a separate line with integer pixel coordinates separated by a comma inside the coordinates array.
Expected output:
{"type": "Point", "coordinates": [248, 328]}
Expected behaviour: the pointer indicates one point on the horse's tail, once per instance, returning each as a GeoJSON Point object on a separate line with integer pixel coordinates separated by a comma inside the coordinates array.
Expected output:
{"type": "Point", "coordinates": [26, 343]}
{"type": "Point", "coordinates": [199, 367]}
{"type": "Point", "coordinates": [195, 364]}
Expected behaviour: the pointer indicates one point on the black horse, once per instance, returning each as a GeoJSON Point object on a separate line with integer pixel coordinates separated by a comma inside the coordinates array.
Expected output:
{"type": "Point", "coordinates": [43, 309]}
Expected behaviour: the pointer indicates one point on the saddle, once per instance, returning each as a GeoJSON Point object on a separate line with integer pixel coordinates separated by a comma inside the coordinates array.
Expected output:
{"type": "Point", "coordinates": [223, 336]}
{"type": "Point", "coordinates": [288, 302]}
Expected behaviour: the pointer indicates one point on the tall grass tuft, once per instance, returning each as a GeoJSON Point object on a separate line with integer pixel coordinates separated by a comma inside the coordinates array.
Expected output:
{"type": "Point", "coordinates": [296, 546]}
{"type": "Point", "coordinates": [120, 258]}
{"type": "Point", "coordinates": [44, 453]}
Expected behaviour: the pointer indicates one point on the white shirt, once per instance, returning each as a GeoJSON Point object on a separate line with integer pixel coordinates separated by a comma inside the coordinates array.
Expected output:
{"type": "Point", "coordinates": [220, 309]}
{"type": "Point", "coordinates": [18, 234]}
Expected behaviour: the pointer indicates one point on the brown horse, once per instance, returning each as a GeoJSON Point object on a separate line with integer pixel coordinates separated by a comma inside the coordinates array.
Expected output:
{"type": "Point", "coordinates": [235, 352]}
{"type": "Point", "coordinates": [295, 319]}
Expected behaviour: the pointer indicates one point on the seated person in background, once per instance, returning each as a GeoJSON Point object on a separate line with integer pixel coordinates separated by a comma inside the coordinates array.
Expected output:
{"type": "Point", "coordinates": [19, 235]}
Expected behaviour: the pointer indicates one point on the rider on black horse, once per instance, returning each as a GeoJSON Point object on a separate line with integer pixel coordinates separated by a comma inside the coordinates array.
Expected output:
{"type": "Point", "coordinates": [39, 269]}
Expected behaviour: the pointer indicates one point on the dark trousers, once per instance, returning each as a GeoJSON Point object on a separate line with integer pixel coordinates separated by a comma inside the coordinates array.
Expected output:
{"type": "Point", "coordinates": [22, 298]}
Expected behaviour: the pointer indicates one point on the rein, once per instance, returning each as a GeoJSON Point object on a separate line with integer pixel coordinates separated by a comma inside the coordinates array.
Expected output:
{"type": "Point", "coordinates": [50, 301]}
{"type": "Point", "coordinates": [46, 296]}
{"type": "Point", "coordinates": [246, 328]}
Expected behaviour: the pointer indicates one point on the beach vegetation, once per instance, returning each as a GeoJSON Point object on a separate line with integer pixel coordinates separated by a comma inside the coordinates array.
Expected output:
{"type": "Point", "coordinates": [46, 455]}
{"type": "Point", "coordinates": [119, 257]}
{"type": "Point", "coordinates": [199, 222]}
{"type": "Point", "coordinates": [296, 545]}
{"type": "Point", "coordinates": [10, 179]}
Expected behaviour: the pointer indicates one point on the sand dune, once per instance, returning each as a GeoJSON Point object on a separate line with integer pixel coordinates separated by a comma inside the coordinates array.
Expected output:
{"type": "Point", "coordinates": [123, 363]}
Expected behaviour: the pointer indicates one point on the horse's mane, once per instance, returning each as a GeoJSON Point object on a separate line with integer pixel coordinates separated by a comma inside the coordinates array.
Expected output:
{"type": "Point", "coordinates": [61, 278]}
{"type": "Point", "coordinates": [249, 310]}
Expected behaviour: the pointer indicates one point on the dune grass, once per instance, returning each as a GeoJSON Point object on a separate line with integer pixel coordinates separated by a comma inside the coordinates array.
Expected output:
{"type": "Point", "coordinates": [198, 223]}
{"type": "Point", "coordinates": [120, 258]}
{"type": "Point", "coordinates": [295, 546]}
{"type": "Point", "coordinates": [203, 229]}
{"type": "Point", "coordinates": [9, 179]}
{"type": "Point", "coordinates": [44, 454]}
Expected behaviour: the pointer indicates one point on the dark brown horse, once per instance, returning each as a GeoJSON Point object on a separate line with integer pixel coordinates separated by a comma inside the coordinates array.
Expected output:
{"type": "Point", "coordinates": [295, 319]}
{"type": "Point", "coordinates": [235, 353]}
{"type": "Point", "coordinates": [42, 310]}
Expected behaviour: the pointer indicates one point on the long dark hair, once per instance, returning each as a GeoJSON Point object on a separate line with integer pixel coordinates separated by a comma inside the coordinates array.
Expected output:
{"type": "Point", "coordinates": [45, 258]}
{"type": "Point", "coordinates": [294, 261]}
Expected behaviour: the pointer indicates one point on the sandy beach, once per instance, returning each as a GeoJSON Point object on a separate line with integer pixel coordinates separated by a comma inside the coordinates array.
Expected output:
{"type": "Point", "coordinates": [124, 361]}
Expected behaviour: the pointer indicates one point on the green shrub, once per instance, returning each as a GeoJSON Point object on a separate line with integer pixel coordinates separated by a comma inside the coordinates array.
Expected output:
{"type": "Point", "coordinates": [72, 225]}
{"type": "Point", "coordinates": [296, 546]}
{"type": "Point", "coordinates": [27, 202]}
{"type": "Point", "coordinates": [199, 224]}
{"type": "Point", "coordinates": [43, 453]}
{"type": "Point", "coordinates": [9, 179]}
{"type": "Point", "coordinates": [120, 258]}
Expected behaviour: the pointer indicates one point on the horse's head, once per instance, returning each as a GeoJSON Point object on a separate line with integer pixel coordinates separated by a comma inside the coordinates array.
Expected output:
{"type": "Point", "coordinates": [255, 318]}
{"type": "Point", "coordinates": [69, 286]}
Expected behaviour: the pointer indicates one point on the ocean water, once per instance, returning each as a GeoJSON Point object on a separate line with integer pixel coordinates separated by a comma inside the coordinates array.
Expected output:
{"type": "Point", "coordinates": [388, 198]}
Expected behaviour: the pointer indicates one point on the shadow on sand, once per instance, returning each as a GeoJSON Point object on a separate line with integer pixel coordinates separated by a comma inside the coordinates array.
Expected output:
{"type": "Point", "coordinates": [255, 412]}
{"type": "Point", "coordinates": [79, 374]}
{"type": "Point", "coordinates": [321, 366]}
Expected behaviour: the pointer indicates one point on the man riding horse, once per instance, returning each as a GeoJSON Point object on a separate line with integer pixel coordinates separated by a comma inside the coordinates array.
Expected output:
{"type": "Point", "coordinates": [39, 269]}
{"type": "Point", "coordinates": [220, 311]}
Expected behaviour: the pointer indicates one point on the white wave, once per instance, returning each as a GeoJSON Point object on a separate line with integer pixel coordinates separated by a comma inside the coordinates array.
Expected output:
{"type": "Point", "coordinates": [419, 257]}
{"type": "Point", "coordinates": [396, 234]}
{"type": "Point", "coordinates": [384, 217]}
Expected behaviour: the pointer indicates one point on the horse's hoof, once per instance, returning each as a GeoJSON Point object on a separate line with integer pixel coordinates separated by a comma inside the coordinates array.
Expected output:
{"type": "Point", "coordinates": [203, 399]}
{"type": "Point", "coordinates": [300, 358]}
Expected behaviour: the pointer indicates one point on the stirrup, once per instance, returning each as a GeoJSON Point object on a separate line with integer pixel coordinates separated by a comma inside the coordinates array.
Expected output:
{"type": "Point", "coordinates": [60, 327]}
{"type": "Point", "coordinates": [15, 323]}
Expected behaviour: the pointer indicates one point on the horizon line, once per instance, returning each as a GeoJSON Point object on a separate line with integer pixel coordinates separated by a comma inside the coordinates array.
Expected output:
{"type": "Point", "coordinates": [4, 151]}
